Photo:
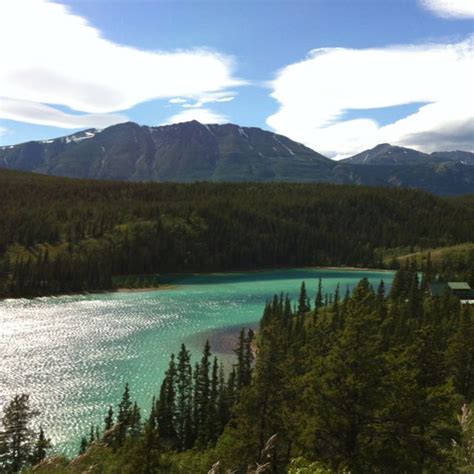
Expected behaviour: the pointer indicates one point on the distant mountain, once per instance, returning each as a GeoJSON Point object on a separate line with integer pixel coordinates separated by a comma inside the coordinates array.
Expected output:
{"type": "Point", "coordinates": [191, 151]}
{"type": "Point", "coordinates": [386, 154]}
{"type": "Point", "coordinates": [185, 152]}
{"type": "Point", "coordinates": [444, 178]}
{"type": "Point", "coordinates": [464, 157]}
{"type": "Point", "coordinates": [389, 155]}
{"type": "Point", "coordinates": [447, 172]}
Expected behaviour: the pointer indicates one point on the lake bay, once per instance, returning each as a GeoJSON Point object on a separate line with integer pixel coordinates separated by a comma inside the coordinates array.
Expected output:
{"type": "Point", "coordinates": [73, 354]}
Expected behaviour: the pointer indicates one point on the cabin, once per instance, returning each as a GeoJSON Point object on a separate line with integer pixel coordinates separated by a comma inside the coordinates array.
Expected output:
{"type": "Point", "coordinates": [460, 289]}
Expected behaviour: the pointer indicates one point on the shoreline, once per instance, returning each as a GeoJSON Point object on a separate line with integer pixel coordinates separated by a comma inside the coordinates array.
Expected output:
{"type": "Point", "coordinates": [164, 286]}
{"type": "Point", "coordinates": [290, 267]}
{"type": "Point", "coordinates": [172, 286]}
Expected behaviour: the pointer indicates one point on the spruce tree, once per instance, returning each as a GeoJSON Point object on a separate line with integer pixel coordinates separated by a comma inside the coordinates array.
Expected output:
{"type": "Point", "coordinates": [339, 399]}
{"type": "Point", "coordinates": [166, 406]}
{"type": "Point", "coordinates": [135, 421]}
{"type": "Point", "coordinates": [41, 446]}
{"type": "Point", "coordinates": [223, 405]}
{"type": "Point", "coordinates": [124, 414]}
{"type": "Point", "coordinates": [184, 399]}
{"type": "Point", "coordinates": [240, 353]}
{"type": "Point", "coordinates": [202, 394]}
{"type": "Point", "coordinates": [83, 445]}
{"type": "Point", "coordinates": [109, 419]}
{"type": "Point", "coordinates": [460, 355]}
{"type": "Point", "coordinates": [318, 303]}
{"type": "Point", "coordinates": [149, 444]}
{"type": "Point", "coordinates": [303, 302]}
{"type": "Point", "coordinates": [18, 438]}
{"type": "Point", "coordinates": [212, 415]}
{"type": "Point", "coordinates": [248, 356]}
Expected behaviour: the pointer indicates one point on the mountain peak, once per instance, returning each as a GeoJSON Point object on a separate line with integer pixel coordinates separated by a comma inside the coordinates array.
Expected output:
{"type": "Point", "coordinates": [193, 151]}
{"type": "Point", "coordinates": [187, 151]}
{"type": "Point", "coordinates": [386, 154]}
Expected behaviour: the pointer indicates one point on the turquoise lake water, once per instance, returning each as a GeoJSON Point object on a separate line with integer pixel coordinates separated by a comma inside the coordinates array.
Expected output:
{"type": "Point", "coordinates": [73, 354]}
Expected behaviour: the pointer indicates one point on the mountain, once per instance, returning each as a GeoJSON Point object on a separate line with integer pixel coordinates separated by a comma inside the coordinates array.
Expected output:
{"type": "Point", "coordinates": [183, 152]}
{"type": "Point", "coordinates": [386, 154]}
{"type": "Point", "coordinates": [389, 155]}
{"type": "Point", "coordinates": [443, 178]}
{"type": "Point", "coordinates": [447, 172]}
{"type": "Point", "coordinates": [191, 151]}
{"type": "Point", "coordinates": [464, 157]}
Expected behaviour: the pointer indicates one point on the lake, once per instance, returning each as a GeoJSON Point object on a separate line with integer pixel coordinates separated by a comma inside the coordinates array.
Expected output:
{"type": "Point", "coordinates": [73, 354]}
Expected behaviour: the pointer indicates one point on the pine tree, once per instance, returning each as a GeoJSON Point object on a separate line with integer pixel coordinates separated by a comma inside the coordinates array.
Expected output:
{"type": "Point", "coordinates": [201, 400]}
{"type": "Point", "coordinates": [381, 302]}
{"type": "Point", "coordinates": [124, 414]}
{"type": "Point", "coordinates": [109, 419]}
{"type": "Point", "coordinates": [184, 399]}
{"type": "Point", "coordinates": [212, 415]}
{"type": "Point", "coordinates": [17, 437]}
{"type": "Point", "coordinates": [240, 353]}
{"type": "Point", "coordinates": [166, 406]}
{"type": "Point", "coordinates": [303, 301]}
{"type": "Point", "coordinates": [318, 303]}
{"type": "Point", "coordinates": [40, 448]}
{"type": "Point", "coordinates": [339, 399]}
{"type": "Point", "coordinates": [135, 421]}
{"type": "Point", "coordinates": [231, 389]}
{"type": "Point", "coordinates": [414, 296]}
{"type": "Point", "coordinates": [460, 355]}
{"type": "Point", "coordinates": [223, 403]}
{"type": "Point", "coordinates": [149, 446]}
{"type": "Point", "coordinates": [260, 411]}
{"type": "Point", "coordinates": [336, 315]}
{"type": "Point", "coordinates": [83, 445]}
{"type": "Point", "coordinates": [248, 355]}
{"type": "Point", "coordinates": [421, 404]}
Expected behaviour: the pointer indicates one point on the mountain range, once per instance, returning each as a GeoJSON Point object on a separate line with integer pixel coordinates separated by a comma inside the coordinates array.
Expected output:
{"type": "Point", "coordinates": [191, 151]}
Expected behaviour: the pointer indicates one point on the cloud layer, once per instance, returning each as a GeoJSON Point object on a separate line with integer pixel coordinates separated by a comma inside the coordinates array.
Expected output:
{"type": "Point", "coordinates": [54, 57]}
{"type": "Point", "coordinates": [450, 8]}
{"type": "Point", "coordinates": [314, 95]}
{"type": "Point", "coordinates": [202, 115]}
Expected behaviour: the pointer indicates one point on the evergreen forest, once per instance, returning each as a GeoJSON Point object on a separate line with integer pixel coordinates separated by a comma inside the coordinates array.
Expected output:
{"type": "Point", "coordinates": [60, 235]}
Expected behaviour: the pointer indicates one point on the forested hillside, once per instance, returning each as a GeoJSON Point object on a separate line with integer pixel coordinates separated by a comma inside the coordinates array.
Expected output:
{"type": "Point", "coordinates": [355, 384]}
{"type": "Point", "coordinates": [59, 235]}
{"type": "Point", "coordinates": [452, 263]}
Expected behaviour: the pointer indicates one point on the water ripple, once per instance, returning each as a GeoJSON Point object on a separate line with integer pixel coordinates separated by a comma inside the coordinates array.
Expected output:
{"type": "Point", "coordinates": [74, 353]}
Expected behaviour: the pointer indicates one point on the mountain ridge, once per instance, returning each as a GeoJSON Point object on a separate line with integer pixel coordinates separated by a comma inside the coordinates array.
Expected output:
{"type": "Point", "coordinates": [191, 151]}
{"type": "Point", "coordinates": [385, 154]}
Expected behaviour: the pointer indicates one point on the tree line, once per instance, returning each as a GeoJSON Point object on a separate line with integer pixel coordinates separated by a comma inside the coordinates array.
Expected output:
{"type": "Point", "coordinates": [63, 235]}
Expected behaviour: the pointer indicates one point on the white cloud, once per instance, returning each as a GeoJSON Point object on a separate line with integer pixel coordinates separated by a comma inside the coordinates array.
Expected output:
{"type": "Point", "coordinates": [209, 98]}
{"type": "Point", "coordinates": [52, 56]}
{"type": "Point", "coordinates": [202, 115]}
{"type": "Point", "coordinates": [44, 115]}
{"type": "Point", "coordinates": [3, 131]}
{"type": "Point", "coordinates": [450, 8]}
{"type": "Point", "coordinates": [314, 95]}
{"type": "Point", "coordinates": [177, 100]}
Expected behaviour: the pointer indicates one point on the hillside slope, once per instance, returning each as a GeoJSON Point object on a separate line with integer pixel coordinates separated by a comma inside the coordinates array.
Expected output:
{"type": "Point", "coordinates": [191, 151]}
{"type": "Point", "coordinates": [184, 152]}
{"type": "Point", "coordinates": [62, 234]}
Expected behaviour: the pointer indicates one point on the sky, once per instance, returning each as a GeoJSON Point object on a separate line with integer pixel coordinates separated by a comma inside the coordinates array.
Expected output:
{"type": "Point", "coordinates": [340, 76]}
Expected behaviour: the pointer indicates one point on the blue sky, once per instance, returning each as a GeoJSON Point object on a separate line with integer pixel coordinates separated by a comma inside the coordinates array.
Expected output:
{"type": "Point", "coordinates": [269, 69]}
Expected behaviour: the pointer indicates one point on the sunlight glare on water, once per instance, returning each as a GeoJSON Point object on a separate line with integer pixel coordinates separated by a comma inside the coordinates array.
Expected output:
{"type": "Point", "coordinates": [73, 354]}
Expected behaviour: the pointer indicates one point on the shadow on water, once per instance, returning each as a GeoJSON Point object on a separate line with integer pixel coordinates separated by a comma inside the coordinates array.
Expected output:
{"type": "Point", "coordinates": [223, 341]}
{"type": "Point", "coordinates": [298, 274]}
